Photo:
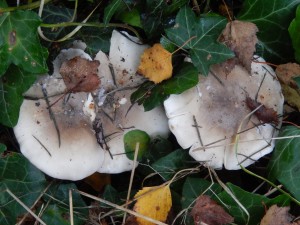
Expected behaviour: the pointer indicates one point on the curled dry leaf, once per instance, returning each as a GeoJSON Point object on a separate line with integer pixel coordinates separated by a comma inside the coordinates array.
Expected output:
{"type": "Point", "coordinates": [80, 75]}
{"type": "Point", "coordinates": [277, 216]}
{"type": "Point", "coordinates": [209, 212]}
{"type": "Point", "coordinates": [286, 73]}
{"type": "Point", "coordinates": [156, 64]}
{"type": "Point", "coordinates": [241, 38]}
{"type": "Point", "coordinates": [263, 113]}
{"type": "Point", "coordinates": [153, 202]}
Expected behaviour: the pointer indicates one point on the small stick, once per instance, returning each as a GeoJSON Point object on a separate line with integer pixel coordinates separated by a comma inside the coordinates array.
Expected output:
{"type": "Point", "coordinates": [52, 117]}
{"type": "Point", "coordinates": [120, 208]}
{"type": "Point", "coordinates": [42, 145]}
{"type": "Point", "coordinates": [25, 207]}
{"type": "Point", "coordinates": [71, 207]}
{"type": "Point", "coordinates": [137, 147]}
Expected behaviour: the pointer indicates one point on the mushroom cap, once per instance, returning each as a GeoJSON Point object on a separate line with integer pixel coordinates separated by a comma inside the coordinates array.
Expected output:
{"type": "Point", "coordinates": [117, 114]}
{"type": "Point", "coordinates": [78, 154]}
{"type": "Point", "coordinates": [216, 108]}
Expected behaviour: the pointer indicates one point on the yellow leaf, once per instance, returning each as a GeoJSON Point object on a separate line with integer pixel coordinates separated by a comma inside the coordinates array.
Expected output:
{"type": "Point", "coordinates": [153, 202]}
{"type": "Point", "coordinates": [156, 64]}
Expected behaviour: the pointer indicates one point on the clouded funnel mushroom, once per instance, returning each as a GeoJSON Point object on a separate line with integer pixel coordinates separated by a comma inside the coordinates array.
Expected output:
{"type": "Point", "coordinates": [208, 117]}
{"type": "Point", "coordinates": [83, 132]}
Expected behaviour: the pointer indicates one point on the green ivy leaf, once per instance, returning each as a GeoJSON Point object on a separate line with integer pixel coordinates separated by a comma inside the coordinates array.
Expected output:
{"type": "Point", "coordinates": [21, 46]}
{"type": "Point", "coordinates": [194, 187]}
{"type": "Point", "coordinates": [201, 34]}
{"type": "Point", "coordinates": [12, 85]}
{"type": "Point", "coordinates": [168, 165]}
{"type": "Point", "coordinates": [23, 180]}
{"type": "Point", "coordinates": [272, 17]}
{"type": "Point", "coordinates": [131, 138]}
{"type": "Point", "coordinates": [58, 212]}
{"type": "Point", "coordinates": [255, 204]}
{"type": "Point", "coordinates": [95, 38]}
{"type": "Point", "coordinates": [52, 15]}
{"type": "Point", "coordinates": [284, 164]}
{"type": "Point", "coordinates": [111, 9]}
{"type": "Point", "coordinates": [295, 34]}
{"type": "Point", "coordinates": [151, 95]}
{"type": "Point", "coordinates": [297, 80]}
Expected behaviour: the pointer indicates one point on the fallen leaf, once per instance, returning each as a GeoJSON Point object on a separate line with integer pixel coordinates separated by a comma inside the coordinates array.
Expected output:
{"type": "Point", "coordinates": [209, 212]}
{"type": "Point", "coordinates": [156, 64]}
{"type": "Point", "coordinates": [277, 216]}
{"type": "Point", "coordinates": [286, 74]}
{"type": "Point", "coordinates": [263, 113]}
{"type": "Point", "coordinates": [80, 75]}
{"type": "Point", "coordinates": [153, 202]}
{"type": "Point", "coordinates": [241, 38]}
{"type": "Point", "coordinates": [98, 180]}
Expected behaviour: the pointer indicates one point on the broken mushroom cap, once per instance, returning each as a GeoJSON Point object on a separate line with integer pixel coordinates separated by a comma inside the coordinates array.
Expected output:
{"type": "Point", "coordinates": [116, 113]}
{"type": "Point", "coordinates": [214, 121]}
{"type": "Point", "coordinates": [59, 140]}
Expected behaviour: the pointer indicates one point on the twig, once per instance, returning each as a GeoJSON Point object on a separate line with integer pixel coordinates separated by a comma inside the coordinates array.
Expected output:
{"type": "Point", "coordinates": [25, 207]}
{"type": "Point", "coordinates": [137, 147]}
{"type": "Point", "coordinates": [120, 207]}
{"type": "Point", "coordinates": [42, 145]}
{"type": "Point", "coordinates": [71, 207]}
{"type": "Point", "coordinates": [52, 117]}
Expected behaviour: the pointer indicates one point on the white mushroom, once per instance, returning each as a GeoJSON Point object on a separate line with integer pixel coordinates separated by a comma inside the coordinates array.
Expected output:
{"type": "Point", "coordinates": [88, 133]}
{"type": "Point", "coordinates": [69, 152]}
{"type": "Point", "coordinates": [208, 117]}
{"type": "Point", "coordinates": [115, 111]}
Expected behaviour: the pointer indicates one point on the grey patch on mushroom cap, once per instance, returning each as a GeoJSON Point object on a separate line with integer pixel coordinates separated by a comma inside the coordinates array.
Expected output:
{"type": "Point", "coordinates": [78, 155]}
{"type": "Point", "coordinates": [219, 110]}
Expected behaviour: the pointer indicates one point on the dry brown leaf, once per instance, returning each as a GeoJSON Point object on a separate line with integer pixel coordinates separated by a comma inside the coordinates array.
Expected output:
{"type": "Point", "coordinates": [98, 180]}
{"type": "Point", "coordinates": [209, 212]}
{"type": "Point", "coordinates": [286, 73]}
{"type": "Point", "coordinates": [156, 64]}
{"type": "Point", "coordinates": [80, 75]}
{"type": "Point", "coordinates": [241, 38]}
{"type": "Point", "coordinates": [277, 216]}
{"type": "Point", "coordinates": [153, 202]}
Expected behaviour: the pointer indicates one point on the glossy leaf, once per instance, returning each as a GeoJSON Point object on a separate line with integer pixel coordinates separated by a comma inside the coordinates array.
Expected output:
{"type": "Point", "coordinates": [52, 15]}
{"type": "Point", "coordinates": [23, 180]}
{"type": "Point", "coordinates": [168, 165]}
{"type": "Point", "coordinates": [272, 17]}
{"type": "Point", "coordinates": [58, 212]}
{"type": "Point", "coordinates": [295, 34]}
{"type": "Point", "coordinates": [12, 85]}
{"type": "Point", "coordinates": [254, 203]}
{"type": "Point", "coordinates": [111, 9]}
{"type": "Point", "coordinates": [151, 95]}
{"type": "Point", "coordinates": [131, 139]}
{"type": "Point", "coordinates": [284, 164]}
{"type": "Point", "coordinates": [21, 45]}
{"type": "Point", "coordinates": [199, 36]}
{"type": "Point", "coordinates": [194, 187]}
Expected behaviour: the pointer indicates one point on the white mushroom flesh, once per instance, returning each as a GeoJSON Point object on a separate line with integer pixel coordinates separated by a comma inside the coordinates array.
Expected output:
{"type": "Point", "coordinates": [208, 117]}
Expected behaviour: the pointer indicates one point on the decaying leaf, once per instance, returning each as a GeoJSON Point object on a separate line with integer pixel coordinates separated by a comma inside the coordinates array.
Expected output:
{"type": "Point", "coordinates": [156, 64]}
{"type": "Point", "coordinates": [286, 73]}
{"type": "Point", "coordinates": [80, 75]}
{"type": "Point", "coordinates": [209, 212]}
{"type": "Point", "coordinates": [277, 216]}
{"type": "Point", "coordinates": [153, 202]}
{"type": "Point", "coordinates": [263, 113]}
{"type": "Point", "coordinates": [241, 38]}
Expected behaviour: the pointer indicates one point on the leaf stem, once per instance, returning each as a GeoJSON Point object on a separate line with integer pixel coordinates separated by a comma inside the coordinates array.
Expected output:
{"type": "Point", "coordinates": [98, 25]}
{"type": "Point", "coordinates": [32, 5]}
